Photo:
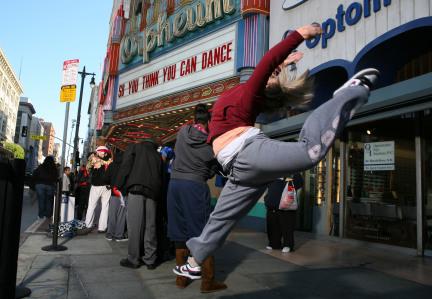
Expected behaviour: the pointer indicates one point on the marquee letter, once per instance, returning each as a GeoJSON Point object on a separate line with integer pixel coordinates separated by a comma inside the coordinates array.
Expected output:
{"type": "Point", "coordinates": [357, 9]}
{"type": "Point", "coordinates": [213, 10]}
{"type": "Point", "coordinates": [179, 24]}
{"type": "Point", "coordinates": [329, 29]}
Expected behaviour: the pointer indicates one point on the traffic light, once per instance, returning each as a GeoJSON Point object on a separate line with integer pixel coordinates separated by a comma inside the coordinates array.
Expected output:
{"type": "Point", "coordinates": [77, 158]}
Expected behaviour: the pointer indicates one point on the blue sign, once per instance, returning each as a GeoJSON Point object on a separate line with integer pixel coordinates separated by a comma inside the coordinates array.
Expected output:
{"type": "Point", "coordinates": [349, 16]}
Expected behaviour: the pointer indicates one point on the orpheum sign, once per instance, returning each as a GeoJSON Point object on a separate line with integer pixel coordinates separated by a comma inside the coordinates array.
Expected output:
{"type": "Point", "coordinates": [206, 60]}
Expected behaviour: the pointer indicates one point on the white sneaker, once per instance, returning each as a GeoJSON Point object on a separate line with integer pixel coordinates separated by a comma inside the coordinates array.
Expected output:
{"type": "Point", "coordinates": [269, 248]}
{"type": "Point", "coordinates": [286, 249]}
{"type": "Point", "coordinates": [188, 271]}
{"type": "Point", "coordinates": [367, 78]}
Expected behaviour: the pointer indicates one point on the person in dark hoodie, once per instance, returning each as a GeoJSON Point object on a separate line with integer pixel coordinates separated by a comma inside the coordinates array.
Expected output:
{"type": "Point", "coordinates": [45, 179]}
{"type": "Point", "coordinates": [117, 207]}
{"type": "Point", "coordinates": [140, 174]}
{"type": "Point", "coordinates": [189, 195]}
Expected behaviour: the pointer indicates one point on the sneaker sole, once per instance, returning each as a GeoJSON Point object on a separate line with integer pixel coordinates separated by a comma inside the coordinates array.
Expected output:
{"type": "Point", "coordinates": [186, 275]}
{"type": "Point", "coordinates": [362, 73]}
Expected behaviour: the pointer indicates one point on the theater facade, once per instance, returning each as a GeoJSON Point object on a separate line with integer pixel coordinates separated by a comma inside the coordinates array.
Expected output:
{"type": "Point", "coordinates": [166, 56]}
{"type": "Point", "coordinates": [375, 184]}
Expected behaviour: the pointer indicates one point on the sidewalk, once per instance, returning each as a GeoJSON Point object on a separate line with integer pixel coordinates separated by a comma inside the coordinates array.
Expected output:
{"type": "Point", "coordinates": [321, 267]}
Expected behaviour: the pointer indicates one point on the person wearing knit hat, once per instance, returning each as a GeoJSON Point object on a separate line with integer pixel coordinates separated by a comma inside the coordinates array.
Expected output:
{"type": "Point", "coordinates": [98, 166]}
{"type": "Point", "coordinates": [103, 149]}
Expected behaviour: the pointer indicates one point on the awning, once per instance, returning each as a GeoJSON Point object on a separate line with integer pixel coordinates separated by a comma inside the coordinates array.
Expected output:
{"type": "Point", "coordinates": [160, 119]}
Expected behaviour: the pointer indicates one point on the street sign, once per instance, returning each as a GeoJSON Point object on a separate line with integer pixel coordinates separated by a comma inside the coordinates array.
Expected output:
{"type": "Point", "coordinates": [69, 80]}
{"type": "Point", "coordinates": [37, 137]}
{"type": "Point", "coordinates": [68, 93]}
{"type": "Point", "coordinates": [70, 72]}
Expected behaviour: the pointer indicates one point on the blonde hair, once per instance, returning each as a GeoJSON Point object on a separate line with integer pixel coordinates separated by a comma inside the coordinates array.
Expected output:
{"type": "Point", "coordinates": [289, 92]}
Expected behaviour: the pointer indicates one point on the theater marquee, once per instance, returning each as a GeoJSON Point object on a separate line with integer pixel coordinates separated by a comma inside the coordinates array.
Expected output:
{"type": "Point", "coordinates": [203, 61]}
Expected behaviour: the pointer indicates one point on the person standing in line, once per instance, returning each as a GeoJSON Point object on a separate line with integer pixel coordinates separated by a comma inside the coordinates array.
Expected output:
{"type": "Point", "coordinates": [117, 207]}
{"type": "Point", "coordinates": [165, 249]}
{"type": "Point", "coordinates": [140, 175]}
{"type": "Point", "coordinates": [100, 188]}
{"type": "Point", "coordinates": [66, 182]}
{"type": "Point", "coordinates": [189, 203]}
{"type": "Point", "coordinates": [45, 179]}
{"type": "Point", "coordinates": [252, 159]}
{"type": "Point", "coordinates": [82, 191]}
{"type": "Point", "coordinates": [281, 223]}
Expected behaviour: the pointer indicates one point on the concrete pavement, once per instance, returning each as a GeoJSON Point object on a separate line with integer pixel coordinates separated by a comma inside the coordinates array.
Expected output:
{"type": "Point", "coordinates": [321, 267]}
{"type": "Point", "coordinates": [29, 209]}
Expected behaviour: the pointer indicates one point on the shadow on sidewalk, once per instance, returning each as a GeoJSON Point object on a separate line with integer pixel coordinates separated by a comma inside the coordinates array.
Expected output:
{"type": "Point", "coordinates": [354, 282]}
{"type": "Point", "coordinates": [232, 256]}
{"type": "Point", "coordinates": [37, 274]}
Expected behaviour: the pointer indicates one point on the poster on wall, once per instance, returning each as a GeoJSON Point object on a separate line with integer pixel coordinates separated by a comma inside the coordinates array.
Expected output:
{"type": "Point", "coordinates": [379, 156]}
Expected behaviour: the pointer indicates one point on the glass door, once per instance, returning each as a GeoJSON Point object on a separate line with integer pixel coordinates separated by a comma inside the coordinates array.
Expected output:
{"type": "Point", "coordinates": [381, 182]}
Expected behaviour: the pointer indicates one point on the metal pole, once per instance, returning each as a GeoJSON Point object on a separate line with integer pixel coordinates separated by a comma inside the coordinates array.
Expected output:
{"type": "Point", "coordinates": [70, 138]}
{"type": "Point", "coordinates": [75, 148]}
{"type": "Point", "coordinates": [54, 246]}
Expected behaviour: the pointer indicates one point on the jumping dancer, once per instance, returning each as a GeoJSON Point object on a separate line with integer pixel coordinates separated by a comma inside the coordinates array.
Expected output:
{"type": "Point", "coordinates": [252, 159]}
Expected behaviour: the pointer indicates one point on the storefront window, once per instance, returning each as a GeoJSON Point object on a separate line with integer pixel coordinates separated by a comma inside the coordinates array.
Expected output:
{"type": "Point", "coordinates": [381, 182]}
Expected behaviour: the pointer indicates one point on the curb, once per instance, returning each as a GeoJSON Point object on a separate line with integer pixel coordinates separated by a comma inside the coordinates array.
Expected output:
{"type": "Point", "coordinates": [34, 226]}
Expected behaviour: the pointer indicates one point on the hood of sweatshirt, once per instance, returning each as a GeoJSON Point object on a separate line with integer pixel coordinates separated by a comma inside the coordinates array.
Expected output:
{"type": "Point", "coordinates": [192, 136]}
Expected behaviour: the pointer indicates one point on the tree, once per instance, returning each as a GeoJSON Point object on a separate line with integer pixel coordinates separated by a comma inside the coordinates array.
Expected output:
{"type": "Point", "coordinates": [16, 149]}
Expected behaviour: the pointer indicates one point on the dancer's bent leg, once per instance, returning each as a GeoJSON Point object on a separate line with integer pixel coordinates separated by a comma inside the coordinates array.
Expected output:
{"type": "Point", "coordinates": [263, 159]}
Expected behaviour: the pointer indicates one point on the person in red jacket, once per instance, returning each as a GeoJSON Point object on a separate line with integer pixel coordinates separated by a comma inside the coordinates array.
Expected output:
{"type": "Point", "coordinates": [251, 159]}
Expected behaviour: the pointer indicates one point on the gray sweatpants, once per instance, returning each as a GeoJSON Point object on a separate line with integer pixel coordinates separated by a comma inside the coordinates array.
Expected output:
{"type": "Point", "coordinates": [116, 218]}
{"type": "Point", "coordinates": [263, 160]}
{"type": "Point", "coordinates": [141, 223]}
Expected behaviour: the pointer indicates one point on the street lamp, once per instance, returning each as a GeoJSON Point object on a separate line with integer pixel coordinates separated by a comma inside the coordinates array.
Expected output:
{"type": "Point", "coordinates": [92, 82]}
{"type": "Point", "coordinates": [76, 139]}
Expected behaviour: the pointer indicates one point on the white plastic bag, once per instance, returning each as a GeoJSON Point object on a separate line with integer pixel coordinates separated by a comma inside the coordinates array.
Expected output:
{"type": "Point", "coordinates": [288, 199]}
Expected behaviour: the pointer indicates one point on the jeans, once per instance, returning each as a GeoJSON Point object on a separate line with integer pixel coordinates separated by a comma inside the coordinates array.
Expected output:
{"type": "Point", "coordinates": [45, 197]}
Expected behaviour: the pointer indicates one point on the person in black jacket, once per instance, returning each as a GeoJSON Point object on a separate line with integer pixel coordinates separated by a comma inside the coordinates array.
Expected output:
{"type": "Point", "coordinates": [281, 223]}
{"type": "Point", "coordinates": [82, 191]}
{"type": "Point", "coordinates": [140, 174]}
{"type": "Point", "coordinates": [100, 188]}
{"type": "Point", "coordinates": [189, 195]}
{"type": "Point", "coordinates": [45, 178]}
{"type": "Point", "coordinates": [117, 207]}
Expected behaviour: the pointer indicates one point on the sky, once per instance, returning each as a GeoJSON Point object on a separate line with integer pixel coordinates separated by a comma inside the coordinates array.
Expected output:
{"type": "Point", "coordinates": [38, 35]}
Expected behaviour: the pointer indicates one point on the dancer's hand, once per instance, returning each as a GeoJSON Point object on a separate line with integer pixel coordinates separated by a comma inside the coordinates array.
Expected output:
{"type": "Point", "coordinates": [310, 31]}
{"type": "Point", "coordinates": [293, 58]}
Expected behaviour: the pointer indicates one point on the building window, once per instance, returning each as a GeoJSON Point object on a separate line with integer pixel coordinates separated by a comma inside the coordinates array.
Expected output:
{"type": "Point", "coordinates": [381, 182]}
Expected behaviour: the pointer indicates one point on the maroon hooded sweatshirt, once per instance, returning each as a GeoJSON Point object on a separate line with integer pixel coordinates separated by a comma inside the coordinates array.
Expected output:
{"type": "Point", "coordinates": [240, 106]}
